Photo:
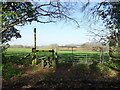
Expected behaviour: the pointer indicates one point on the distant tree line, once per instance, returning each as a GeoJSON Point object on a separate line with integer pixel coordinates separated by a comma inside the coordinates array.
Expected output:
{"type": "Point", "coordinates": [20, 46]}
{"type": "Point", "coordinates": [93, 45]}
{"type": "Point", "coordinates": [96, 46]}
{"type": "Point", "coordinates": [51, 46]}
{"type": "Point", "coordinates": [88, 46]}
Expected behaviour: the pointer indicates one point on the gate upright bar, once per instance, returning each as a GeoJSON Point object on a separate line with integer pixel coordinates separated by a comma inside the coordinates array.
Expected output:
{"type": "Point", "coordinates": [34, 51]}
{"type": "Point", "coordinates": [35, 38]}
{"type": "Point", "coordinates": [34, 61]}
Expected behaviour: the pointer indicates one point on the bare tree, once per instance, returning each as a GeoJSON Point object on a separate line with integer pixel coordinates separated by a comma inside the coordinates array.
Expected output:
{"type": "Point", "coordinates": [22, 13]}
{"type": "Point", "coordinates": [108, 13]}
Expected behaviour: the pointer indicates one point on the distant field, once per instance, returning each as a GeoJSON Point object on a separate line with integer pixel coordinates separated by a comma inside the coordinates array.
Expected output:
{"type": "Point", "coordinates": [13, 55]}
{"type": "Point", "coordinates": [18, 50]}
{"type": "Point", "coordinates": [25, 50]}
{"type": "Point", "coordinates": [22, 52]}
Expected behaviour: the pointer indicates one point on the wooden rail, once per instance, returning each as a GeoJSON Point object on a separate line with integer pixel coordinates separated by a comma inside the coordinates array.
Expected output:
{"type": "Point", "coordinates": [45, 61]}
{"type": "Point", "coordinates": [34, 51]}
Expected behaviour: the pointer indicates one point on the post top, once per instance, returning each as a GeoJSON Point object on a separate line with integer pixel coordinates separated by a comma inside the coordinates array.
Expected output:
{"type": "Point", "coordinates": [34, 29]}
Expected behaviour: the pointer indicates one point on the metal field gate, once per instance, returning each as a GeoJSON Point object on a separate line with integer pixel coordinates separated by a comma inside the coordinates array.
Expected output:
{"type": "Point", "coordinates": [85, 58]}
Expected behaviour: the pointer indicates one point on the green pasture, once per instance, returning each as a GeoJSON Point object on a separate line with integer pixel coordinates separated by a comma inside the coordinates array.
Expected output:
{"type": "Point", "coordinates": [25, 50]}
{"type": "Point", "coordinates": [11, 59]}
{"type": "Point", "coordinates": [13, 55]}
{"type": "Point", "coordinates": [18, 50]}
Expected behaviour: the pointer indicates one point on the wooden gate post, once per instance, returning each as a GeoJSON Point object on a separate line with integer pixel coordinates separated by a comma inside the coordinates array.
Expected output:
{"type": "Point", "coordinates": [53, 61]}
{"type": "Point", "coordinates": [72, 54]}
{"type": "Point", "coordinates": [56, 58]}
{"type": "Point", "coordinates": [35, 38]}
{"type": "Point", "coordinates": [42, 64]}
{"type": "Point", "coordinates": [49, 62]}
{"type": "Point", "coordinates": [34, 61]}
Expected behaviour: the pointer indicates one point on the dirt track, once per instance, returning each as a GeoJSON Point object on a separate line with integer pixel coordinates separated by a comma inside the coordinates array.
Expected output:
{"type": "Point", "coordinates": [82, 77]}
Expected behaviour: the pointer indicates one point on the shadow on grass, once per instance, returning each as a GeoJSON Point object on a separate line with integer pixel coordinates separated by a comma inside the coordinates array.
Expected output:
{"type": "Point", "coordinates": [81, 76]}
{"type": "Point", "coordinates": [68, 76]}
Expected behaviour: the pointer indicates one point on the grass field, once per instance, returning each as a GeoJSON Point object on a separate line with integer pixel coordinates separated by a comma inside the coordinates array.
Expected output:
{"type": "Point", "coordinates": [13, 55]}
{"type": "Point", "coordinates": [11, 60]}
{"type": "Point", "coordinates": [19, 73]}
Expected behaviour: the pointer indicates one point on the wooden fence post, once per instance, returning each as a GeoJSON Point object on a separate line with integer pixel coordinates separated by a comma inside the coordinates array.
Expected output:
{"type": "Point", "coordinates": [86, 59]}
{"type": "Point", "coordinates": [53, 57]}
{"type": "Point", "coordinates": [35, 38]}
{"type": "Point", "coordinates": [49, 61]}
{"type": "Point", "coordinates": [34, 61]}
{"type": "Point", "coordinates": [72, 54]}
{"type": "Point", "coordinates": [42, 63]}
{"type": "Point", "coordinates": [56, 58]}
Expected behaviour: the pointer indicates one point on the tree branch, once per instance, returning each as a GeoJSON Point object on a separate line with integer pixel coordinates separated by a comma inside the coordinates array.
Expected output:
{"type": "Point", "coordinates": [18, 22]}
